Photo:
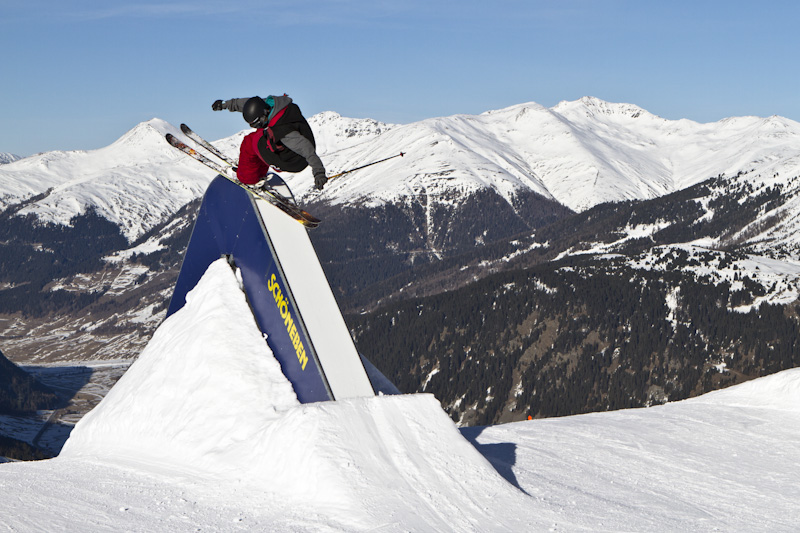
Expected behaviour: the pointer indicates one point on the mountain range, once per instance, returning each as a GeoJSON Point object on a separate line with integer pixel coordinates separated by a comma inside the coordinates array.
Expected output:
{"type": "Point", "coordinates": [583, 191]}
{"type": "Point", "coordinates": [578, 154]}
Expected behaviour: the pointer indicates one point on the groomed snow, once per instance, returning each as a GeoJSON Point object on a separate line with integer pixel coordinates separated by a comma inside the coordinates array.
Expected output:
{"type": "Point", "coordinates": [204, 433]}
{"type": "Point", "coordinates": [725, 461]}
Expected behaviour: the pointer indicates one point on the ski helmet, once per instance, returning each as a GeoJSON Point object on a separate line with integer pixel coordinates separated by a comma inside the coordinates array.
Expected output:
{"type": "Point", "coordinates": [255, 112]}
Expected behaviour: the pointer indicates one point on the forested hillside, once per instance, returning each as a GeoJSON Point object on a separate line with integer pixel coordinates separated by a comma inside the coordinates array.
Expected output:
{"type": "Point", "coordinates": [20, 392]}
{"type": "Point", "coordinates": [624, 305]}
{"type": "Point", "coordinates": [575, 337]}
{"type": "Point", "coordinates": [35, 254]}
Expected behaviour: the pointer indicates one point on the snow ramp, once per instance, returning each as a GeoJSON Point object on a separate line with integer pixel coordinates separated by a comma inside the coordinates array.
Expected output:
{"type": "Point", "coordinates": [207, 410]}
{"type": "Point", "coordinates": [286, 289]}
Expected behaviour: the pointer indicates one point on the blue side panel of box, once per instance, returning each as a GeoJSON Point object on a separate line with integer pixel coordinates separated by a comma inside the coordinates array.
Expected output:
{"type": "Point", "coordinates": [228, 224]}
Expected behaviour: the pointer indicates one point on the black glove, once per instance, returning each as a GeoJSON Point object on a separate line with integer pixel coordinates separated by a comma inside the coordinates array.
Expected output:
{"type": "Point", "coordinates": [219, 105]}
{"type": "Point", "coordinates": [320, 180]}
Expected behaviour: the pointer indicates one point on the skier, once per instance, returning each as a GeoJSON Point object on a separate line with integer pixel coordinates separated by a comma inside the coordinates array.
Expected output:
{"type": "Point", "coordinates": [283, 138]}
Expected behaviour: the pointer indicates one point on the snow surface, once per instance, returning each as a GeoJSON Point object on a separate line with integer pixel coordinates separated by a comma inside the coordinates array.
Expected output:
{"type": "Point", "coordinates": [726, 461]}
{"type": "Point", "coordinates": [781, 279]}
{"type": "Point", "coordinates": [136, 182]}
{"type": "Point", "coordinates": [6, 157]}
{"type": "Point", "coordinates": [204, 433]}
{"type": "Point", "coordinates": [579, 153]}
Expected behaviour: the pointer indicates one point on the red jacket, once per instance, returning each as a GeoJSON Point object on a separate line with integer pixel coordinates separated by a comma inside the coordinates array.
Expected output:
{"type": "Point", "coordinates": [251, 167]}
{"type": "Point", "coordinates": [287, 143]}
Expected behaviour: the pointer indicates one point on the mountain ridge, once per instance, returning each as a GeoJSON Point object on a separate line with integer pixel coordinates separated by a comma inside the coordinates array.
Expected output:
{"type": "Point", "coordinates": [578, 153]}
{"type": "Point", "coordinates": [6, 157]}
{"type": "Point", "coordinates": [448, 213]}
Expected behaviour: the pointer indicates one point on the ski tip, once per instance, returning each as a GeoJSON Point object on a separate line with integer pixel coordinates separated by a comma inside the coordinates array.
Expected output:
{"type": "Point", "coordinates": [185, 128]}
{"type": "Point", "coordinates": [174, 141]}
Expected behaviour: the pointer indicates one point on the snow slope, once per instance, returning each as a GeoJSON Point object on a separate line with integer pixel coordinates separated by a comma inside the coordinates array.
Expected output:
{"type": "Point", "coordinates": [579, 153]}
{"type": "Point", "coordinates": [136, 182]}
{"type": "Point", "coordinates": [207, 397]}
{"type": "Point", "coordinates": [726, 461]}
{"type": "Point", "coordinates": [6, 157]}
{"type": "Point", "coordinates": [204, 433]}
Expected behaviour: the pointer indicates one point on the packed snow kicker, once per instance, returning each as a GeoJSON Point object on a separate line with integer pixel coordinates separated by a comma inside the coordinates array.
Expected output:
{"type": "Point", "coordinates": [207, 401]}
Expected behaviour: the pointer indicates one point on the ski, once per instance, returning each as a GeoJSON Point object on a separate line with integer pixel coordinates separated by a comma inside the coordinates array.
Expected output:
{"type": "Point", "coordinates": [189, 132]}
{"type": "Point", "coordinates": [207, 145]}
{"type": "Point", "coordinates": [191, 152]}
{"type": "Point", "coordinates": [273, 197]}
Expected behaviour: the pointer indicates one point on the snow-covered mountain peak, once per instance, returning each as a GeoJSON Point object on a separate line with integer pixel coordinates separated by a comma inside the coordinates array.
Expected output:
{"type": "Point", "coordinates": [134, 182]}
{"type": "Point", "coordinates": [592, 107]}
{"type": "Point", "coordinates": [6, 157]}
{"type": "Point", "coordinates": [778, 127]}
{"type": "Point", "coordinates": [143, 142]}
{"type": "Point", "coordinates": [146, 133]}
{"type": "Point", "coordinates": [334, 132]}
{"type": "Point", "coordinates": [519, 110]}
{"type": "Point", "coordinates": [326, 117]}
{"type": "Point", "coordinates": [579, 153]}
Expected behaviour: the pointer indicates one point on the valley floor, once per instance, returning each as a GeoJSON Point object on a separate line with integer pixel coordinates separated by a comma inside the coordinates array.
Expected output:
{"type": "Point", "coordinates": [81, 387]}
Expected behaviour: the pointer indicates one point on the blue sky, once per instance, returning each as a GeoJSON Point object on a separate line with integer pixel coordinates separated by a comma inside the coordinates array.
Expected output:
{"type": "Point", "coordinates": [79, 74]}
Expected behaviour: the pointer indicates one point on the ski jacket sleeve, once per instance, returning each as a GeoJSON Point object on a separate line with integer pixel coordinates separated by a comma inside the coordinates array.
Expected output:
{"type": "Point", "coordinates": [298, 144]}
{"type": "Point", "coordinates": [235, 104]}
{"type": "Point", "coordinates": [251, 167]}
